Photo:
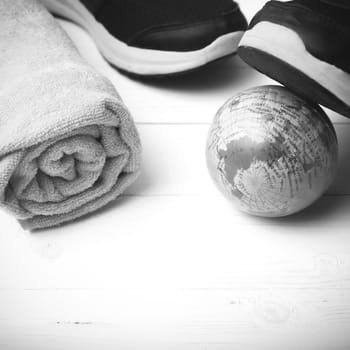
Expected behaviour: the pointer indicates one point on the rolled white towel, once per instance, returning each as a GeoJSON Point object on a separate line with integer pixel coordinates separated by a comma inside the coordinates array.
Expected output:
{"type": "Point", "coordinates": [68, 144]}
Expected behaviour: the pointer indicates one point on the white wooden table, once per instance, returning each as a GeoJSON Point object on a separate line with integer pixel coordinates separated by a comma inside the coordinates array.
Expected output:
{"type": "Point", "coordinates": [171, 265]}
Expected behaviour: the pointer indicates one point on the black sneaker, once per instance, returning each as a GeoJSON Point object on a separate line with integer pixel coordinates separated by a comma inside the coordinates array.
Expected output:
{"type": "Point", "coordinates": [157, 37]}
{"type": "Point", "coordinates": [305, 45]}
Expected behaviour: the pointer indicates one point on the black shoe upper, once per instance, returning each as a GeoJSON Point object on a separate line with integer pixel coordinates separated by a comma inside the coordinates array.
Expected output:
{"type": "Point", "coordinates": [324, 29]}
{"type": "Point", "coordinates": [345, 4]}
{"type": "Point", "coordinates": [171, 25]}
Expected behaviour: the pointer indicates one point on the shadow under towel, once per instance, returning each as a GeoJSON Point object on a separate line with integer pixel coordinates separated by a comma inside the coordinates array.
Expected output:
{"type": "Point", "coordinates": [68, 145]}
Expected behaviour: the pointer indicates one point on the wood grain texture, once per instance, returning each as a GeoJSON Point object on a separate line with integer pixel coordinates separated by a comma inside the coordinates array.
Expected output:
{"type": "Point", "coordinates": [170, 264]}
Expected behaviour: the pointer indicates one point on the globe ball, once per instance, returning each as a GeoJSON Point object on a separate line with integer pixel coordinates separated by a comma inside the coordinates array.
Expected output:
{"type": "Point", "coordinates": [271, 152]}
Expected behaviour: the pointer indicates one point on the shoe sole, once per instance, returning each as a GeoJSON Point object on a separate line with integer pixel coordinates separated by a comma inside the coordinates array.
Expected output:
{"type": "Point", "coordinates": [280, 53]}
{"type": "Point", "coordinates": [139, 61]}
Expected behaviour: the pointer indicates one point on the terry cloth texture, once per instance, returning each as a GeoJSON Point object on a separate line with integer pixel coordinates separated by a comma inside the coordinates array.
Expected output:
{"type": "Point", "coordinates": [68, 145]}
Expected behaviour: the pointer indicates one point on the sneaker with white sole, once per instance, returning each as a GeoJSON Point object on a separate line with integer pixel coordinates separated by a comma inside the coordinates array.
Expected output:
{"type": "Point", "coordinates": [157, 37]}
{"type": "Point", "coordinates": [304, 45]}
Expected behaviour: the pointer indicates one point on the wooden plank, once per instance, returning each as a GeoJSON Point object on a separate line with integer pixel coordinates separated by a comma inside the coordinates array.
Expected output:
{"type": "Point", "coordinates": [174, 164]}
{"type": "Point", "coordinates": [177, 319]}
{"type": "Point", "coordinates": [185, 242]}
{"type": "Point", "coordinates": [174, 161]}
